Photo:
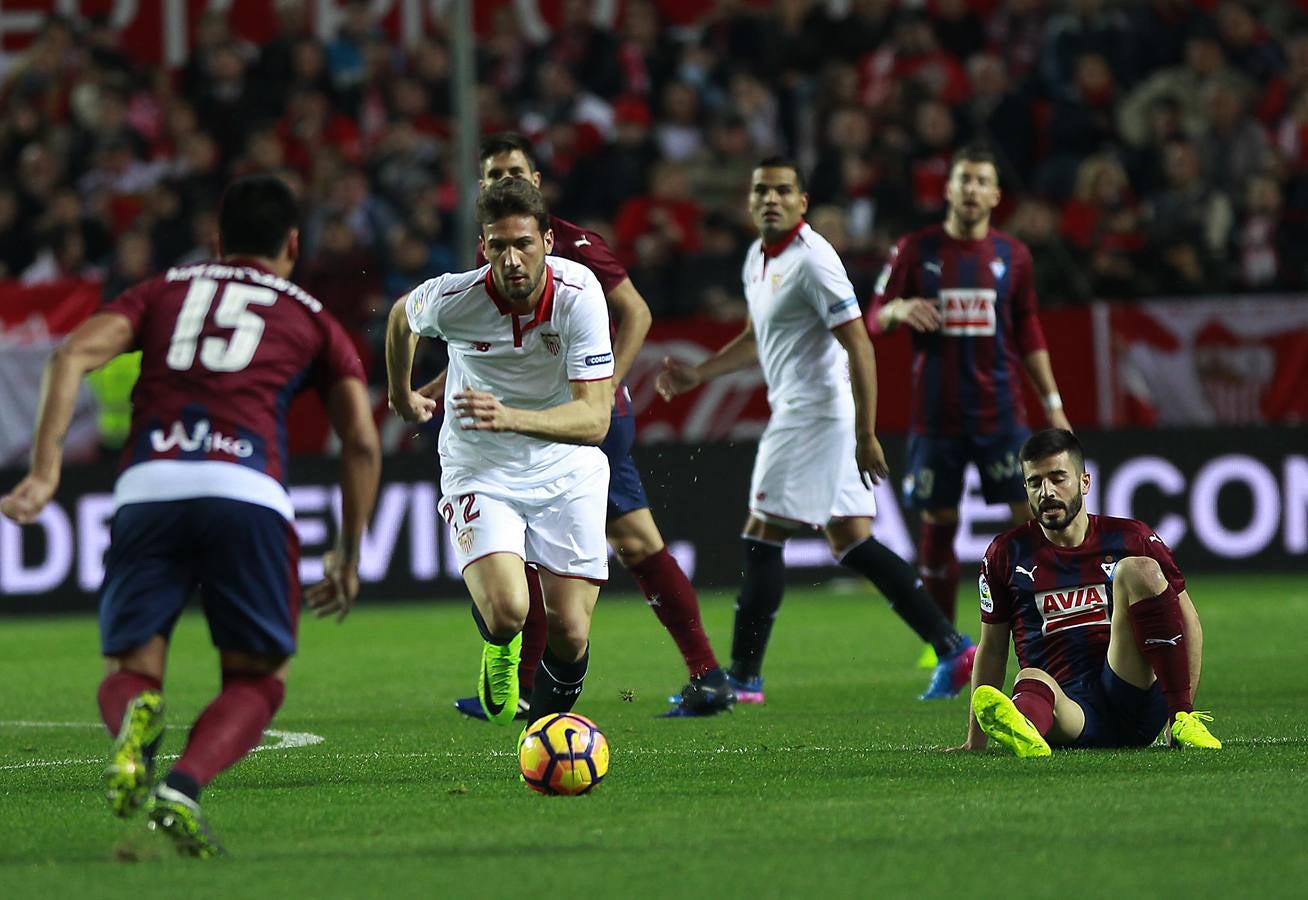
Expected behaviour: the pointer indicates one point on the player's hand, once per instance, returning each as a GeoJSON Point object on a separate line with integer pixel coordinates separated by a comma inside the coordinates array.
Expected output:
{"type": "Point", "coordinates": [434, 389]}
{"type": "Point", "coordinates": [1058, 419]}
{"type": "Point", "coordinates": [676, 378]}
{"type": "Point", "coordinates": [413, 406]}
{"type": "Point", "coordinates": [871, 460]}
{"type": "Point", "coordinates": [25, 502]}
{"type": "Point", "coordinates": [482, 411]}
{"type": "Point", "coordinates": [918, 314]}
{"type": "Point", "coordinates": [339, 586]}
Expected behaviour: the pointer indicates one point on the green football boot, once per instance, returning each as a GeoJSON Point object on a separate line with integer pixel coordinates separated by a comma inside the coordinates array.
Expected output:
{"type": "Point", "coordinates": [1189, 731]}
{"type": "Point", "coordinates": [131, 767]}
{"type": "Point", "coordinates": [180, 818]}
{"type": "Point", "coordinates": [928, 659]}
{"type": "Point", "coordinates": [497, 688]}
{"type": "Point", "coordinates": [1006, 725]}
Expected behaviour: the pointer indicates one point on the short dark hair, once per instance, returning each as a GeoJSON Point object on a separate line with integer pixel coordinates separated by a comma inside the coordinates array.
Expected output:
{"type": "Point", "coordinates": [1051, 442]}
{"type": "Point", "coordinates": [512, 197]}
{"type": "Point", "coordinates": [975, 153]}
{"type": "Point", "coordinates": [256, 215]}
{"type": "Point", "coordinates": [784, 162]}
{"type": "Point", "coordinates": [507, 142]}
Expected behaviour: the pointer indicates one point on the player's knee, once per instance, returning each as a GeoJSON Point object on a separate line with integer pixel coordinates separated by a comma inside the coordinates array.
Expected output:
{"type": "Point", "coordinates": [1138, 577]}
{"type": "Point", "coordinates": [632, 549]}
{"type": "Point", "coordinates": [1036, 675]}
{"type": "Point", "coordinates": [570, 637]}
{"type": "Point", "coordinates": [506, 618]}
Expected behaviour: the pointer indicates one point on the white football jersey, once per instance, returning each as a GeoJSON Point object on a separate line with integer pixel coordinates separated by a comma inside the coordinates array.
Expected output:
{"type": "Point", "coordinates": [795, 298]}
{"type": "Point", "coordinates": [527, 361]}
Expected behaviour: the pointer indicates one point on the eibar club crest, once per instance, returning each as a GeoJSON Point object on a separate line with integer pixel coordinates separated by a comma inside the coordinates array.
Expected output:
{"type": "Point", "coordinates": [997, 266]}
{"type": "Point", "coordinates": [552, 342]}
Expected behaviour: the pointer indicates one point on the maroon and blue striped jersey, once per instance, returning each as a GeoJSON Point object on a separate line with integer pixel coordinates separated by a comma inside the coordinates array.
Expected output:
{"type": "Point", "coordinates": [1059, 600]}
{"type": "Point", "coordinates": [225, 346]}
{"type": "Point", "coordinates": [967, 376]}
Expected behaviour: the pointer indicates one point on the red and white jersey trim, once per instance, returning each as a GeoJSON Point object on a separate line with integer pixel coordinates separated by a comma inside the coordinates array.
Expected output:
{"type": "Point", "coordinates": [172, 479]}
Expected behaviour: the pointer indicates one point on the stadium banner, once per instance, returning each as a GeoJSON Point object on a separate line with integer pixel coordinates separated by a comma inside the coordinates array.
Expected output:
{"type": "Point", "coordinates": [1224, 500]}
{"type": "Point", "coordinates": [1210, 361]}
{"type": "Point", "coordinates": [33, 319]}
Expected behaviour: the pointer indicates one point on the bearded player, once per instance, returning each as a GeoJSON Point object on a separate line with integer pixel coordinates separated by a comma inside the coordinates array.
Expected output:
{"type": "Point", "coordinates": [1108, 641]}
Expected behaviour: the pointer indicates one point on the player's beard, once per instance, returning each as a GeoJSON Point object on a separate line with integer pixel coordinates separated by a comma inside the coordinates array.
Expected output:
{"type": "Point", "coordinates": [522, 290]}
{"type": "Point", "coordinates": [1070, 511]}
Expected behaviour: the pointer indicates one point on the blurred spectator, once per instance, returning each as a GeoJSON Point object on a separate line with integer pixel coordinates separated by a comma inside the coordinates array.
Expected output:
{"type": "Point", "coordinates": [1015, 31]}
{"type": "Point", "coordinates": [1164, 25]}
{"type": "Point", "coordinates": [586, 50]}
{"type": "Point", "coordinates": [958, 29]}
{"type": "Point", "coordinates": [1058, 280]}
{"type": "Point", "coordinates": [347, 53]}
{"type": "Point", "coordinates": [1268, 250]}
{"type": "Point", "coordinates": [16, 247]}
{"type": "Point", "coordinates": [1081, 124]}
{"type": "Point", "coordinates": [1185, 84]}
{"type": "Point", "coordinates": [133, 263]}
{"type": "Point", "coordinates": [1235, 145]}
{"type": "Point", "coordinates": [616, 171]}
{"type": "Point", "coordinates": [709, 282]}
{"type": "Point", "coordinates": [344, 274]}
{"type": "Point", "coordinates": [413, 257]}
{"type": "Point", "coordinates": [680, 133]}
{"type": "Point", "coordinates": [996, 114]}
{"type": "Point", "coordinates": [1087, 27]}
{"type": "Point", "coordinates": [719, 174]}
{"type": "Point", "coordinates": [1187, 212]}
{"type": "Point", "coordinates": [1248, 45]}
{"type": "Point", "coordinates": [1101, 221]}
{"type": "Point", "coordinates": [928, 169]}
{"type": "Point", "coordinates": [662, 224]}
{"type": "Point", "coordinates": [62, 254]}
{"type": "Point", "coordinates": [914, 56]}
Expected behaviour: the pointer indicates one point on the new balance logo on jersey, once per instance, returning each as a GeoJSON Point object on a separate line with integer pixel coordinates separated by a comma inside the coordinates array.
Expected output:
{"type": "Point", "coordinates": [1074, 607]}
{"type": "Point", "coordinates": [1029, 573]}
{"type": "Point", "coordinates": [481, 346]}
{"type": "Point", "coordinates": [201, 439]}
{"type": "Point", "coordinates": [552, 343]}
{"type": "Point", "coordinates": [1171, 642]}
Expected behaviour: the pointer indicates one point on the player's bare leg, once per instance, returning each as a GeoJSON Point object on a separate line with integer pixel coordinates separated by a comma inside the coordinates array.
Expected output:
{"type": "Point", "coordinates": [760, 597]}
{"type": "Point", "coordinates": [636, 540]}
{"type": "Point", "coordinates": [253, 687]}
{"type": "Point", "coordinates": [1148, 639]}
{"type": "Point", "coordinates": [132, 708]}
{"type": "Point", "coordinates": [569, 603]}
{"type": "Point", "coordinates": [500, 602]}
{"type": "Point", "coordinates": [852, 543]}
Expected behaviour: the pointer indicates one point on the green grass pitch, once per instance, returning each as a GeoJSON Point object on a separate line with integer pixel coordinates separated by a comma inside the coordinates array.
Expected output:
{"type": "Point", "coordinates": [837, 787]}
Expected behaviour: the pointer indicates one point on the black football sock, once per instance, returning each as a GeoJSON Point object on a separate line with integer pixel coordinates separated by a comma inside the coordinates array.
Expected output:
{"type": "Point", "coordinates": [183, 783]}
{"type": "Point", "coordinates": [485, 630]}
{"type": "Point", "coordinates": [756, 607]}
{"type": "Point", "coordinates": [558, 684]}
{"type": "Point", "coordinates": [908, 598]}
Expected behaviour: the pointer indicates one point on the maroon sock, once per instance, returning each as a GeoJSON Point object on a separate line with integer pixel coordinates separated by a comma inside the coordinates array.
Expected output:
{"type": "Point", "coordinates": [937, 564]}
{"type": "Point", "coordinates": [117, 691]}
{"type": "Point", "coordinates": [231, 726]}
{"type": "Point", "coordinates": [1160, 635]}
{"type": "Point", "coordinates": [535, 632]}
{"type": "Point", "coordinates": [669, 593]}
{"type": "Point", "coordinates": [1035, 700]}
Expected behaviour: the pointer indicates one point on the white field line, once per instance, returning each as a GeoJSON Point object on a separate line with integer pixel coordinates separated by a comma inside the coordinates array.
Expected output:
{"type": "Point", "coordinates": [285, 740]}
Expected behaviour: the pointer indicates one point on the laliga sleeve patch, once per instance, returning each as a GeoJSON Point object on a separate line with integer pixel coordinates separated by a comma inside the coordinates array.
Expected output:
{"type": "Point", "coordinates": [987, 601]}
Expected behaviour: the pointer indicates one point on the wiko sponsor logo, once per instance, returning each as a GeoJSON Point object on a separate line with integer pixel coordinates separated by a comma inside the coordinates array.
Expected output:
{"type": "Point", "coordinates": [1074, 607]}
{"type": "Point", "coordinates": [199, 438]}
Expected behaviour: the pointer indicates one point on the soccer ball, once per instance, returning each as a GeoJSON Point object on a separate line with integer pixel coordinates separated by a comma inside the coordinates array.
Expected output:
{"type": "Point", "coordinates": [563, 753]}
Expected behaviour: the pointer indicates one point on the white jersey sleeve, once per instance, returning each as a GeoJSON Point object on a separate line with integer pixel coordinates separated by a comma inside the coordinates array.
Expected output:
{"type": "Point", "coordinates": [829, 288]}
{"type": "Point", "coordinates": [422, 308]}
{"type": "Point", "coordinates": [589, 348]}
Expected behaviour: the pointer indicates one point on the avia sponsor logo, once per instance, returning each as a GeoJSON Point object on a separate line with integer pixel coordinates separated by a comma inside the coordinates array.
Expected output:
{"type": "Point", "coordinates": [199, 438]}
{"type": "Point", "coordinates": [1074, 607]}
{"type": "Point", "coordinates": [967, 312]}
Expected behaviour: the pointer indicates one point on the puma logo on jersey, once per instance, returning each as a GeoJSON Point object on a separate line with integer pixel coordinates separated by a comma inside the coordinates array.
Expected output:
{"type": "Point", "coordinates": [1171, 642]}
{"type": "Point", "coordinates": [1029, 573]}
{"type": "Point", "coordinates": [1154, 537]}
{"type": "Point", "coordinates": [582, 241]}
{"type": "Point", "coordinates": [1074, 607]}
{"type": "Point", "coordinates": [932, 267]}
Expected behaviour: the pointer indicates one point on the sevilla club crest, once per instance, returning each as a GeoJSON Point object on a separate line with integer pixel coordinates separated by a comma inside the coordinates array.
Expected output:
{"type": "Point", "coordinates": [465, 540]}
{"type": "Point", "coordinates": [552, 342]}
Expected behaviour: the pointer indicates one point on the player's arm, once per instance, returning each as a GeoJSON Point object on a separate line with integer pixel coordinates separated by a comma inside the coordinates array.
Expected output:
{"type": "Point", "coordinates": [91, 345]}
{"type": "Point", "coordinates": [678, 377]}
{"type": "Point", "coordinates": [903, 307]}
{"type": "Point", "coordinates": [401, 345]}
{"type": "Point", "coordinates": [852, 335]}
{"type": "Point", "coordinates": [989, 667]}
{"type": "Point", "coordinates": [632, 319]}
{"type": "Point", "coordinates": [582, 420]}
{"type": "Point", "coordinates": [351, 417]}
{"type": "Point", "coordinates": [1194, 640]}
{"type": "Point", "coordinates": [918, 313]}
{"type": "Point", "coordinates": [1041, 372]}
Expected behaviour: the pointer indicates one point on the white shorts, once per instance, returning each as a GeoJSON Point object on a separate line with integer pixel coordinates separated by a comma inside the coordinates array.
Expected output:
{"type": "Point", "coordinates": [559, 527]}
{"type": "Point", "coordinates": [805, 475]}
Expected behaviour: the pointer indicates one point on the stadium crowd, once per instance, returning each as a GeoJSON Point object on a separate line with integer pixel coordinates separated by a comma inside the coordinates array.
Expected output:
{"type": "Point", "coordinates": [1158, 147]}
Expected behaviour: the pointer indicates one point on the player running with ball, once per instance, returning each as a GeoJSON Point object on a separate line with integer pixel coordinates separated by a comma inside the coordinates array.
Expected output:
{"type": "Point", "coordinates": [527, 403]}
{"type": "Point", "coordinates": [1109, 643]}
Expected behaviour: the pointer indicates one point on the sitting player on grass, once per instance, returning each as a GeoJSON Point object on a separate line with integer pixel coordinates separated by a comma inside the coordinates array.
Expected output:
{"type": "Point", "coordinates": [1095, 672]}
